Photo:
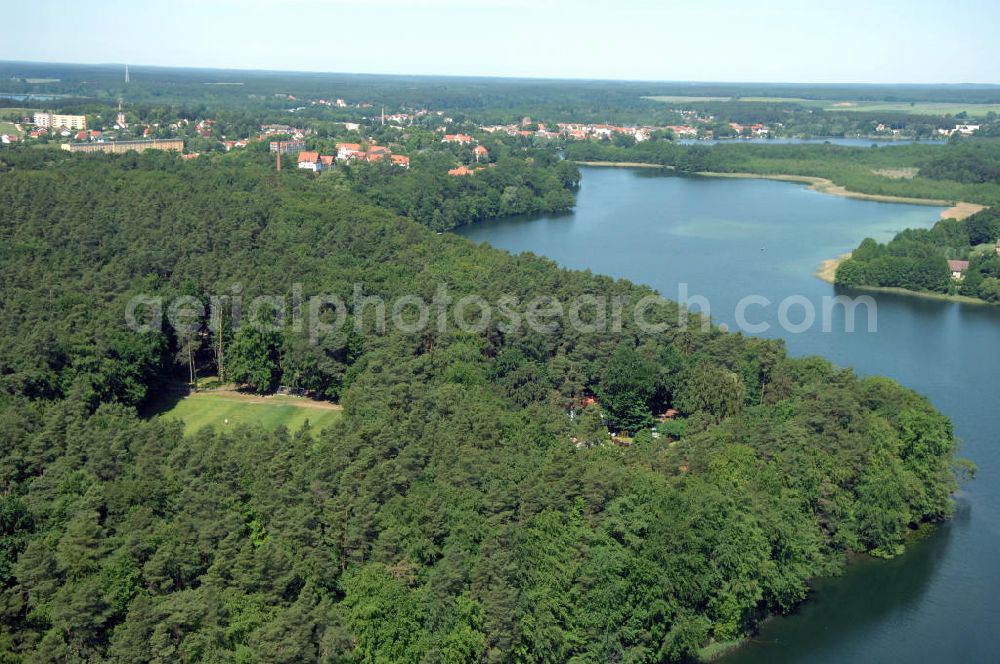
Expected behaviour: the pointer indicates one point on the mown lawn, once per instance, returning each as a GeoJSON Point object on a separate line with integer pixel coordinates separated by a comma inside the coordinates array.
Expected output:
{"type": "Point", "coordinates": [222, 410]}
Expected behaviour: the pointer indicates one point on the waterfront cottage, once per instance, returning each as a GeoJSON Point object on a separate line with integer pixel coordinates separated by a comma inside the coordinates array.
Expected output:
{"type": "Point", "coordinates": [957, 269]}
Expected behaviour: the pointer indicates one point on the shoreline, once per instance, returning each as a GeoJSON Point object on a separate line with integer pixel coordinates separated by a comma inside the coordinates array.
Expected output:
{"type": "Point", "coordinates": [960, 299]}
{"type": "Point", "coordinates": [828, 269]}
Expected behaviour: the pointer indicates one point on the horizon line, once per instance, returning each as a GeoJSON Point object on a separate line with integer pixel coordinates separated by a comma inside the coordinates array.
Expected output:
{"type": "Point", "coordinates": [494, 76]}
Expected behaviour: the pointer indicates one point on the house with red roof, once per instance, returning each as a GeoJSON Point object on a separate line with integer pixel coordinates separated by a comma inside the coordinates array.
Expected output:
{"type": "Point", "coordinates": [460, 171]}
{"type": "Point", "coordinates": [958, 269]}
{"type": "Point", "coordinates": [347, 151]}
{"type": "Point", "coordinates": [400, 160]}
{"type": "Point", "coordinates": [480, 153]}
{"type": "Point", "coordinates": [309, 160]}
{"type": "Point", "coordinates": [464, 139]}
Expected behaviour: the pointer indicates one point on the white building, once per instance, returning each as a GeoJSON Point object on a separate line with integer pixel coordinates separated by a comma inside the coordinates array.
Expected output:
{"type": "Point", "coordinates": [310, 160]}
{"type": "Point", "coordinates": [57, 120]}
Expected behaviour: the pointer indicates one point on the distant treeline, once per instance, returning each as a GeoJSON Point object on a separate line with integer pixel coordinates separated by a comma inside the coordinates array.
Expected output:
{"type": "Point", "coordinates": [484, 99]}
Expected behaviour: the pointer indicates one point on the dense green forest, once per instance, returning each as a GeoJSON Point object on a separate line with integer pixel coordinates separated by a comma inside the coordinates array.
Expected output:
{"type": "Point", "coordinates": [530, 183]}
{"type": "Point", "coordinates": [447, 516]}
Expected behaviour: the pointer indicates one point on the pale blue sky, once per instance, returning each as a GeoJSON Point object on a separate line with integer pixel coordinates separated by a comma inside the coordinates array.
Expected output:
{"type": "Point", "coordinates": [917, 41]}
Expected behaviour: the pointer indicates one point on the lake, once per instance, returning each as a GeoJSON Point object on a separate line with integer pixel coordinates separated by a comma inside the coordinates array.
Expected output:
{"type": "Point", "coordinates": [849, 141]}
{"type": "Point", "coordinates": [728, 238]}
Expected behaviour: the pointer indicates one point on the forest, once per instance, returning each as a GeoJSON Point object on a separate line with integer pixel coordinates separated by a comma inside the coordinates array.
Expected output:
{"type": "Point", "coordinates": [447, 516]}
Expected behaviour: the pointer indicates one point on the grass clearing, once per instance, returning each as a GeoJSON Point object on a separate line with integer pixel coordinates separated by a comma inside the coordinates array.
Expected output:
{"type": "Point", "coordinates": [9, 128]}
{"type": "Point", "coordinates": [224, 409]}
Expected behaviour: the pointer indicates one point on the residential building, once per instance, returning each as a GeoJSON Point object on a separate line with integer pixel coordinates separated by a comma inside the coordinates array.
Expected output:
{"type": "Point", "coordinates": [958, 269]}
{"type": "Point", "coordinates": [347, 151]}
{"type": "Point", "coordinates": [457, 138]}
{"type": "Point", "coordinates": [119, 147]}
{"type": "Point", "coordinates": [309, 160]}
{"type": "Point", "coordinates": [400, 160]}
{"type": "Point", "coordinates": [461, 170]}
{"type": "Point", "coordinates": [287, 147]}
{"type": "Point", "coordinates": [683, 131]}
{"type": "Point", "coordinates": [480, 153]}
{"type": "Point", "coordinates": [57, 120]}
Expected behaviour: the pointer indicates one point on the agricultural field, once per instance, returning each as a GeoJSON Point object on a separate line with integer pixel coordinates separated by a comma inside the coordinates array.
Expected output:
{"type": "Point", "coordinates": [916, 107]}
{"type": "Point", "coordinates": [224, 409]}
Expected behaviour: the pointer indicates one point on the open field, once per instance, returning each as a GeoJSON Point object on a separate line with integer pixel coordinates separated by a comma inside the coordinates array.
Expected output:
{"type": "Point", "coordinates": [225, 408]}
{"type": "Point", "coordinates": [9, 128]}
{"type": "Point", "coordinates": [917, 107]}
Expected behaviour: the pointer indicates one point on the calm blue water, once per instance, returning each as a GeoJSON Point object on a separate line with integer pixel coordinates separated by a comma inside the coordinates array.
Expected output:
{"type": "Point", "coordinates": [727, 239]}
{"type": "Point", "coordinates": [835, 140]}
{"type": "Point", "coordinates": [23, 97]}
